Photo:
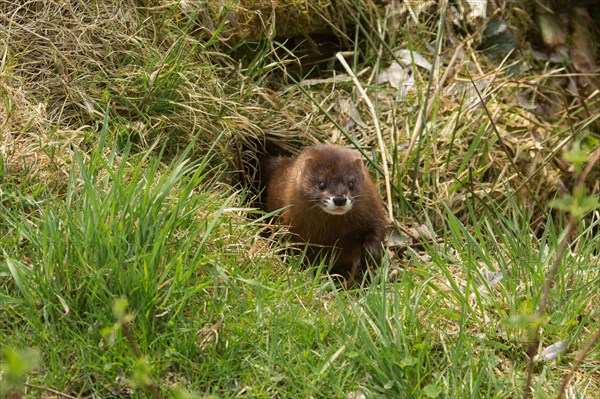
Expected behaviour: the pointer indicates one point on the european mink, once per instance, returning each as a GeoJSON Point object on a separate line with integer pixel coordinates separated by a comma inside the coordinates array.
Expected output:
{"type": "Point", "coordinates": [330, 202]}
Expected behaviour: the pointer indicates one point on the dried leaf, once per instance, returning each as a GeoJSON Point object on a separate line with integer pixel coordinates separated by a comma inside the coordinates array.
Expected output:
{"type": "Point", "coordinates": [553, 30]}
{"type": "Point", "coordinates": [497, 40]}
{"type": "Point", "coordinates": [424, 232]}
{"type": "Point", "coordinates": [474, 11]}
{"type": "Point", "coordinates": [349, 114]}
{"type": "Point", "coordinates": [390, 74]}
{"type": "Point", "coordinates": [398, 77]}
{"type": "Point", "coordinates": [551, 352]}
{"type": "Point", "coordinates": [395, 239]}
{"type": "Point", "coordinates": [406, 58]}
{"type": "Point", "coordinates": [582, 47]}
{"type": "Point", "coordinates": [491, 278]}
{"type": "Point", "coordinates": [355, 115]}
{"type": "Point", "coordinates": [394, 15]}
{"type": "Point", "coordinates": [356, 395]}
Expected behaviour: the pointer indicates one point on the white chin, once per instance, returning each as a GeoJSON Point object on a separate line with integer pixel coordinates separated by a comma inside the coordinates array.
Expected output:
{"type": "Point", "coordinates": [337, 210]}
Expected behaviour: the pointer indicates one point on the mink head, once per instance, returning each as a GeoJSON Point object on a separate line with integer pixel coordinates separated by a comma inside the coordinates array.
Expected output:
{"type": "Point", "coordinates": [332, 180]}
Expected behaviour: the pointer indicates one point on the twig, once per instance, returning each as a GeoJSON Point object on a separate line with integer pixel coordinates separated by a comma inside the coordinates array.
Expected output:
{"type": "Point", "coordinates": [572, 225]}
{"type": "Point", "coordinates": [384, 158]}
{"type": "Point", "coordinates": [458, 51]}
{"type": "Point", "coordinates": [588, 347]}
{"type": "Point", "coordinates": [532, 348]}
{"type": "Point", "coordinates": [127, 331]}
{"type": "Point", "coordinates": [340, 78]}
{"type": "Point", "coordinates": [594, 156]}
{"type": "Point", "coordinates": [52, 391]}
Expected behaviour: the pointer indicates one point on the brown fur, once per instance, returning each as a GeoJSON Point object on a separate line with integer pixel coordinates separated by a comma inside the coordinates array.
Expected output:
{"type": "Point", "coordinates": [352, 239]}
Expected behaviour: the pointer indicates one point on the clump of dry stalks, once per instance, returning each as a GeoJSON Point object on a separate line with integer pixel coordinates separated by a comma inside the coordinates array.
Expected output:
{"type": "Point", "coordinates": [65, 64]}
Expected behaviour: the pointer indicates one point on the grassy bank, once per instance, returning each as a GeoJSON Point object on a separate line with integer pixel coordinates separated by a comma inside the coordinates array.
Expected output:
{"type": "Point", "coordinates": [131, 266]}
{"type": "Point", "coordinates": [217, 310]}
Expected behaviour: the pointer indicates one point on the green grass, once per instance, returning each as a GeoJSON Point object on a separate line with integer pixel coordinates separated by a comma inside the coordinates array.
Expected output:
{"type": "Point", "coordinates": [214, 315]}
{"type": "Point", "coordinates": [122, 235]}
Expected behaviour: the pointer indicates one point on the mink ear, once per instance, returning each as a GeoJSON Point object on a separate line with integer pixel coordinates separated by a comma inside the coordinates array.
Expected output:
{"type": "Point", "coordinates": [360, 163]}
{"type": "Point", "coordinates": [306, 166]}
{"type": "Point", "coordinates": [309, 163]}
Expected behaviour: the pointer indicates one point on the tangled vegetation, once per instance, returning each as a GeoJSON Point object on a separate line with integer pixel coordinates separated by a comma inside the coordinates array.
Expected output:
{"type": "Point", "coordinates": [133, 262]}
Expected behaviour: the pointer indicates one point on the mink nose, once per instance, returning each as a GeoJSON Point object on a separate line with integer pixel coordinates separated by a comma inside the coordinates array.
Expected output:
{"type": "Point", "coordinates": [339, 201]}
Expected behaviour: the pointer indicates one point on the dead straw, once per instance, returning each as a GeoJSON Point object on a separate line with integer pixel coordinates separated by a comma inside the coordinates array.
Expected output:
{"type": "Point", "coordinates": [380, 141]}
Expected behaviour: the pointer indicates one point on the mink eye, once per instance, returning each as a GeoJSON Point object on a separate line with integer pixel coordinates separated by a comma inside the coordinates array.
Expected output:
{"type": "Point", "coordinates": [322, 185]}
{"type": "Point", "coordinates": [351, 185]}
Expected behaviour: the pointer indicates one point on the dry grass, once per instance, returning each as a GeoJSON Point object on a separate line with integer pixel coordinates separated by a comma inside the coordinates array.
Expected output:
{"type": "Point", "coordinates": [250, 20]}
{"type": "Point", "coordinates": [514, 144]}
{"type": "Point", "coordinates": [57, 50]}
{"type": "Point", "coordinates": [66, 64]}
